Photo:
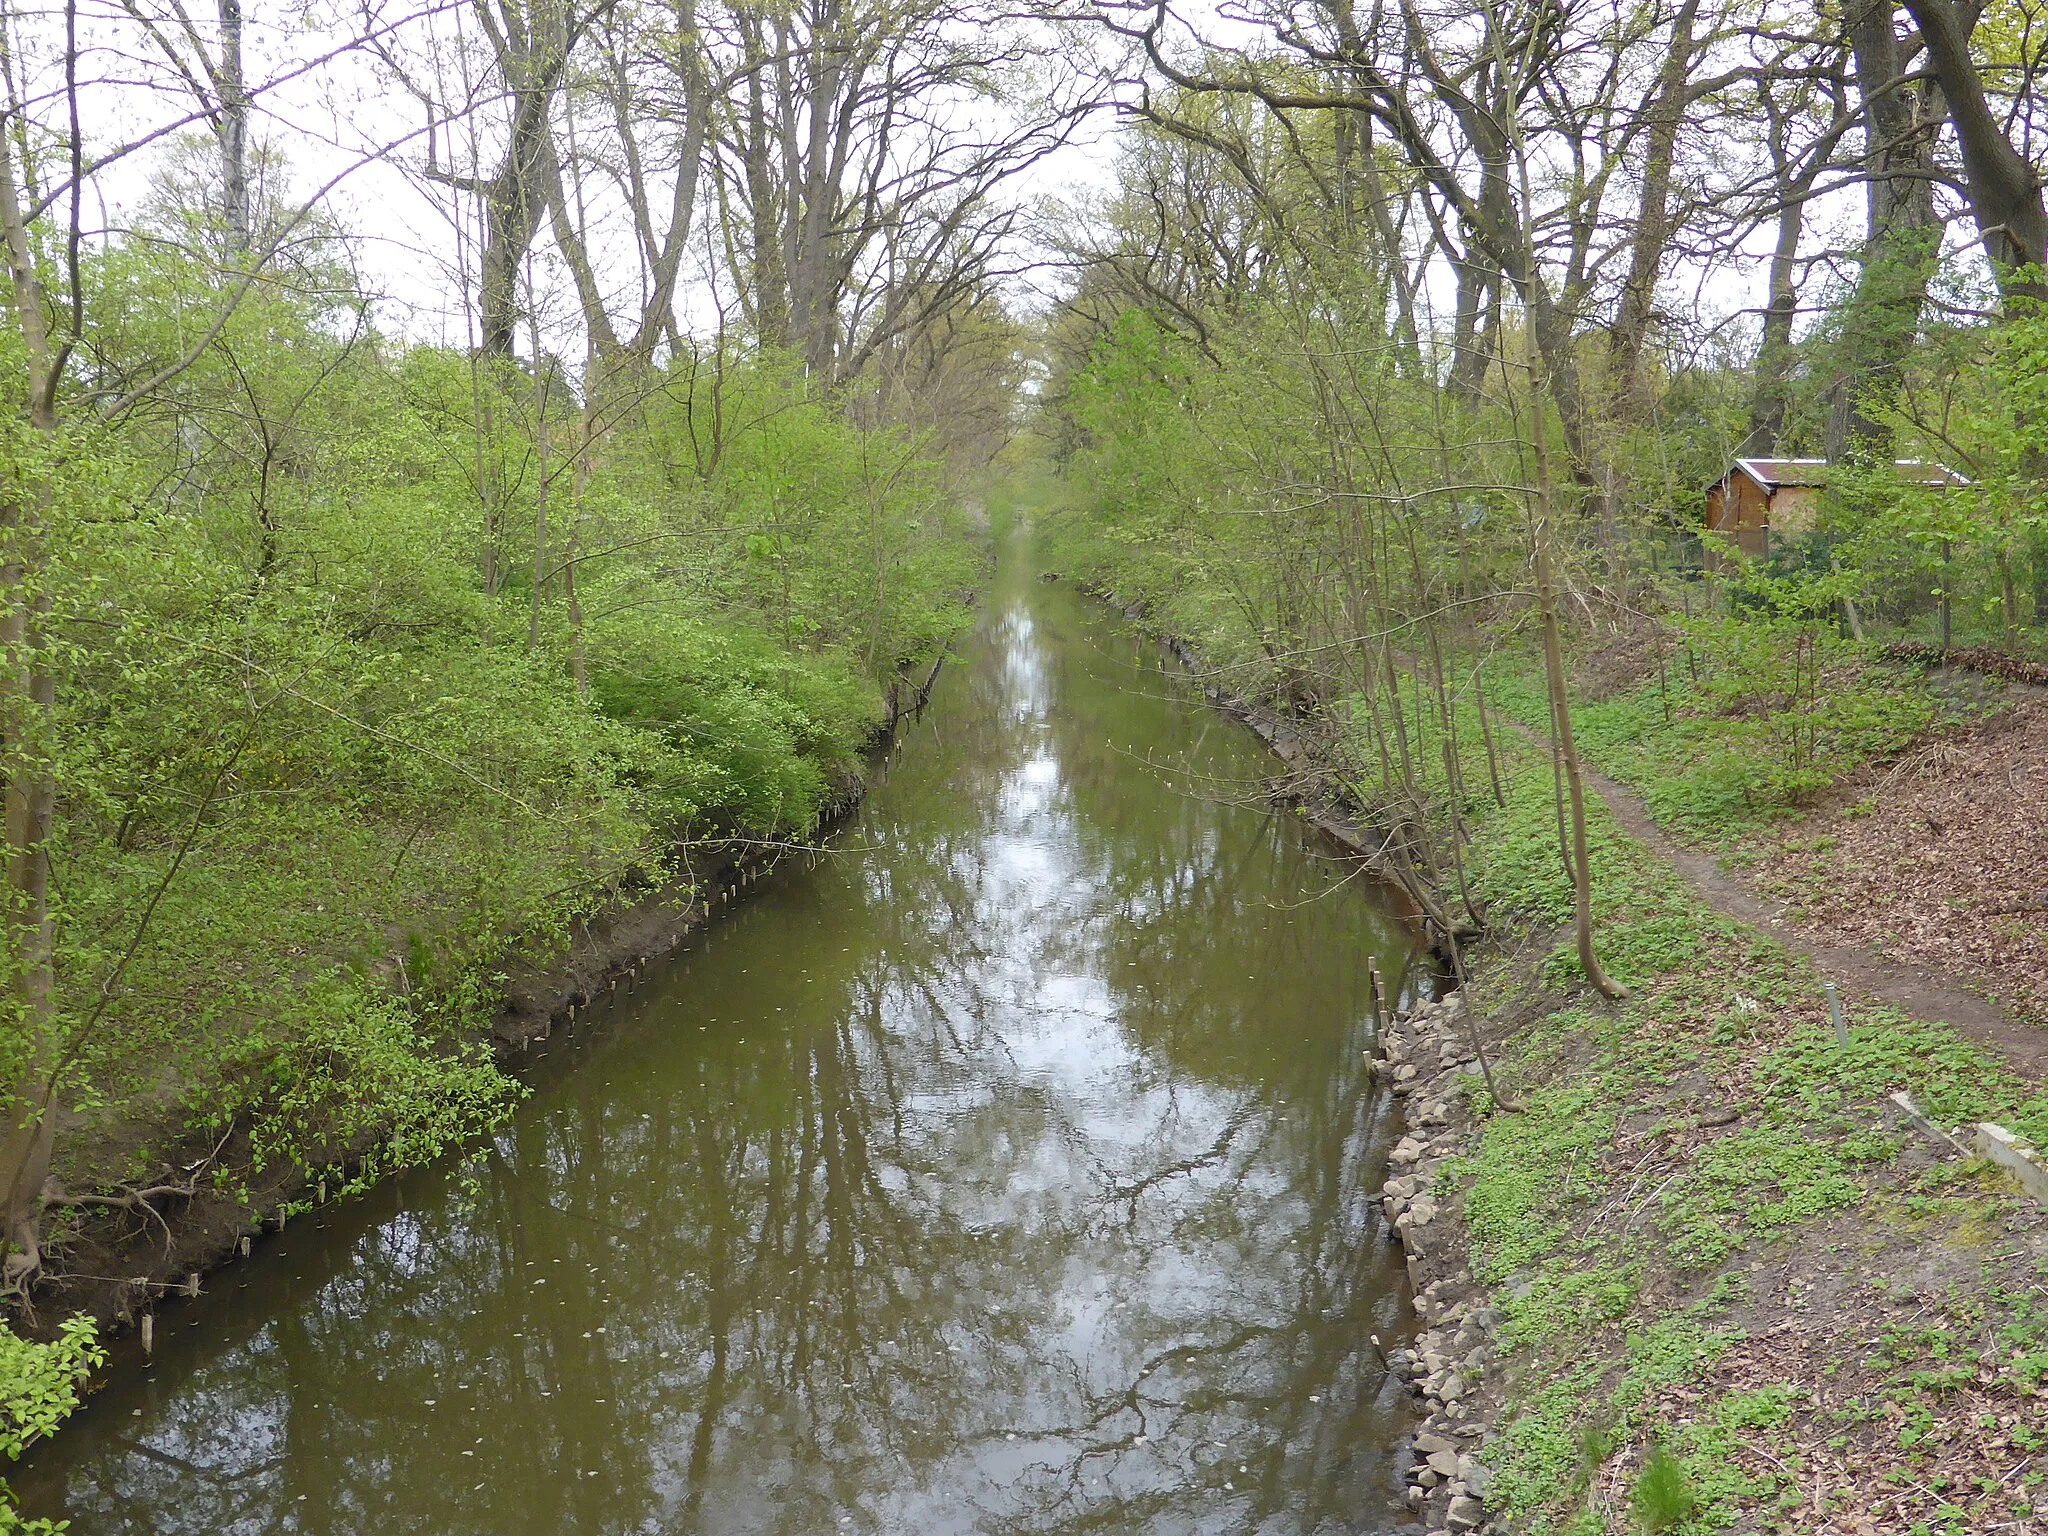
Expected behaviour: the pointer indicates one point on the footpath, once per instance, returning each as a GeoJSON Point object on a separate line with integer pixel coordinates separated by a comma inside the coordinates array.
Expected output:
{"type": "Point", "coordinates": [1724, 1258]}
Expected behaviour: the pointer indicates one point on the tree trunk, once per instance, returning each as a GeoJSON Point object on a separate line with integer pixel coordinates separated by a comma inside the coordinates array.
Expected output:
{"type": "Point", "coordinates": [1568, 754]}
{"type": "Point", "coordinates": [2004, 189]}
{"type": "Point", "coordinates": [657, 313]}
{"type": "Point", "coordinates": [1468, 358]}
{"type": "Point", "coordinates": [1653, 225]}
{"type": "Point", "coordinates": [767, 276]}
{"type": "Point", "coordinates": [1566, 747]}
{"type": "Point", "coordinates": [1771, 392]}
{"type": "Point", "coordinates": [531, 54]}
{"type": "Point", "coordinates": [27, 701]}
{"type": "Point", "coordinates": [540, 490]}
{"type": "Point", "coordinates": [578, 668]}
{"type": "Point", "coordinates": [1902, 243]}
{"type": "Point", "coordinates": [232, 131]}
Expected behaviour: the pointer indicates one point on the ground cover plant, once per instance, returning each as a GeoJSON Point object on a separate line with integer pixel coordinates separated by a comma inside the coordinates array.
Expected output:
{"type": "Point", "coordinates": [1692, 1228]}
{"type": "Point", "coordinates": [389, 586]}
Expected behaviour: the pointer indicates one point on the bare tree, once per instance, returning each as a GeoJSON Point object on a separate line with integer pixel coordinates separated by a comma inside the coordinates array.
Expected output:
{"type": "Point", "coordinates": [1794, 170]}
{"type": "Point", "coordinates": [1651, 237]}
{"type": "Point", "coordinates": [1453, 89]}
{"type": "Point", "coordinates": [213, 74]}
{"type": "Point", "coordinates": [2002, 186]}
{"type": "Point", "coordinates": [530, 45]}
{"type": "Point", "coordinates": [859, 149]}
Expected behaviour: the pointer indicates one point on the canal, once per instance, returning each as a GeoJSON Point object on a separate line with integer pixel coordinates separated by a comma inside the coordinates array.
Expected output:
{"type": "Point", "coordinates": [1012, 1170]}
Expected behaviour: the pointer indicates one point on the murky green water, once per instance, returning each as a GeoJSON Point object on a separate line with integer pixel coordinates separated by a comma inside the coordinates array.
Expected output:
{"type": "Point", "coordinates": [1010, 1172]}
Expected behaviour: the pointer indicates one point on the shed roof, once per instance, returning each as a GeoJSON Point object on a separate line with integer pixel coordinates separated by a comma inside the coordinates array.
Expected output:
{"type": "Point", "coordinates": [1774, 474]}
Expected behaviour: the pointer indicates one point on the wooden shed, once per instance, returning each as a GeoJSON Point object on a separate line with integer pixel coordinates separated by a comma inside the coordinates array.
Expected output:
{"type": "Point", "coordinates": [1757, 498]}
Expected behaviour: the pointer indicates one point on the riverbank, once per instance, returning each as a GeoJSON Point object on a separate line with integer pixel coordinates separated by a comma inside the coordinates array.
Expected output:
{"type": "Point", "coordinates": [123, 1257]}
{"type": "Point", "coordinates": [122, 1252]}
{"type": "Point", "coordinates": [1701, 1268]}
{"type": "Point", "coordinates": [1712, 1258]}
{"type": "Point", "coordinates": [1307, 788]}
{"type": "Point", "coordinates": [910, 1174]}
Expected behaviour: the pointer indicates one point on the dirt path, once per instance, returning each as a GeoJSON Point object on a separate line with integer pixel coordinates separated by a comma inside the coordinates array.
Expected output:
{"type": "Point", "coordinates": [1924, 993]}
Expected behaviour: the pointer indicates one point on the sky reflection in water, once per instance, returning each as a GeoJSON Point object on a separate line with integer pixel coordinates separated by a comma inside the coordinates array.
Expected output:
{"type": "Point", "coordinates": [1010, 1172]}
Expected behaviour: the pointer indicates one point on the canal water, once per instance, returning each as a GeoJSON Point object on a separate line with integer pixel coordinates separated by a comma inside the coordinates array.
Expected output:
{"type": "Point", "coordinates": [1011, 1171]}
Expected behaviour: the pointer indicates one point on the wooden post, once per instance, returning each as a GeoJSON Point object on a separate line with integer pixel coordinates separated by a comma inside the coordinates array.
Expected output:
{"type": "Point", "coordinates": [1947, 632]}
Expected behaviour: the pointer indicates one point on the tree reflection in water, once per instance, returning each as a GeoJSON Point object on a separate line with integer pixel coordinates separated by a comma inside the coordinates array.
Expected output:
{"type": "Point", "coordinates": [1011, 1172]}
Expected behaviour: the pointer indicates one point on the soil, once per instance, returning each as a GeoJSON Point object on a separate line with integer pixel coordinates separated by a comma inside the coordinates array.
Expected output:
{"type": "Point", "coordinates": [1628, 657]}
{"type": "Point", "coordinates": [1943, 862]}
{"type": "Point", "coordinates": [119, 1261]}
{"type": "Point", "coordinates": [1921, 990]}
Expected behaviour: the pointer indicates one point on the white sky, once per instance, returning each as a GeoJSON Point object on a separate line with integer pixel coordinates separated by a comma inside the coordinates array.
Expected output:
{"type": "Point", "coordinates": [336, 121]}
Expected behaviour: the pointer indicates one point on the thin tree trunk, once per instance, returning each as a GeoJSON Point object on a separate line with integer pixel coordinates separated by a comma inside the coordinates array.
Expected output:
{"type": "Point", "coordinates": [233, 130]}
{"type": "Point", "coordinates": [540, 442]}
{"type": "Point", "coordinates": [27, 702]}
{"type": "Point", "coordinates": [1568, 754]}
{"type": "Point", "coordinates": [1772, 396]}
{"type": "Point", "coordinates": [1904, 234]}
{"type": "Point", "coordinates": [578, 671]}
{"type": "Point", "coordinates": [1653, 224]}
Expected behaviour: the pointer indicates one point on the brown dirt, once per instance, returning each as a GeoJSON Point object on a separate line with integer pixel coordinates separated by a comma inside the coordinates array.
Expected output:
{"type": "Point", "coordinates": [1622, 662]}
{"type": "Point", "coordinates": [117, 1263]}
{"type": "Point", "coordinates": [1943, 862]}
{"type": "Point", "coordinates": [1844, 1312]}
{"type": "Point", "coordinates": [1924, 989]}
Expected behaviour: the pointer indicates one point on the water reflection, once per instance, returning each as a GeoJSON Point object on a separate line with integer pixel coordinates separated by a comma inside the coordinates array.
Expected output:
{"type": "Point", "coordinates": [1009, 1173]}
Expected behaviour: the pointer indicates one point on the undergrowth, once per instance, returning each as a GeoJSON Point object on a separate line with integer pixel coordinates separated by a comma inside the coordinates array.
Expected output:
{"type": "Point", "coordinates": [1616, 1231]}
{"type": "Point", "coordinates": [1712, 750]}
{"type": "Point", "coordinates": [39, 1387]}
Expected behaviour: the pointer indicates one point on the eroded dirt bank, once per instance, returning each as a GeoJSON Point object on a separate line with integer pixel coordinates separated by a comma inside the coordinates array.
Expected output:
{"type": "Point", "coordinates": [123, 1258]}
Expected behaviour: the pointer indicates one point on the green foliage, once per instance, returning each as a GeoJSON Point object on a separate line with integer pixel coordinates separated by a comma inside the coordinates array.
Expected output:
{"type": "Point", "coordinates": [1977, 554]}
{"type": "Point", "coordinates": [316, 785]}
{"type": "Point", "coordinates": [1662, 1496]}
{"type": "Point", "coordinates": [39, 1382]}
{"type": "Point", "coordinates": [1524, 1164]}
{"type": "Point", "coordinates": [39, 1388]}
{"type": "Point", "coordinates": [1597, 1445]}
{"type": "Point", "coordinates": [1749, 717]}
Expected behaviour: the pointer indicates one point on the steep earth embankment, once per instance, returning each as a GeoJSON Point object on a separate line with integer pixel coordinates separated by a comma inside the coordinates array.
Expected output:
{"type": "Point", "coordinates": [125, 1255]}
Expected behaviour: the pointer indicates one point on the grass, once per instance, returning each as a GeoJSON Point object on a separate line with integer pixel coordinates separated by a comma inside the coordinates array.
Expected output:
{"type": "Point", "coordinates": [1712, 759]}
{"type": "Point", "coordinates": [1618, 1240]}
{"type": "Point", "coordinates": [1663, 1496]}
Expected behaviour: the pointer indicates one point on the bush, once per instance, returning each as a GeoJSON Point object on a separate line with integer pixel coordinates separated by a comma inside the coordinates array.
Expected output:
{"type": "Point", "coordinates": [1662, 1496]}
